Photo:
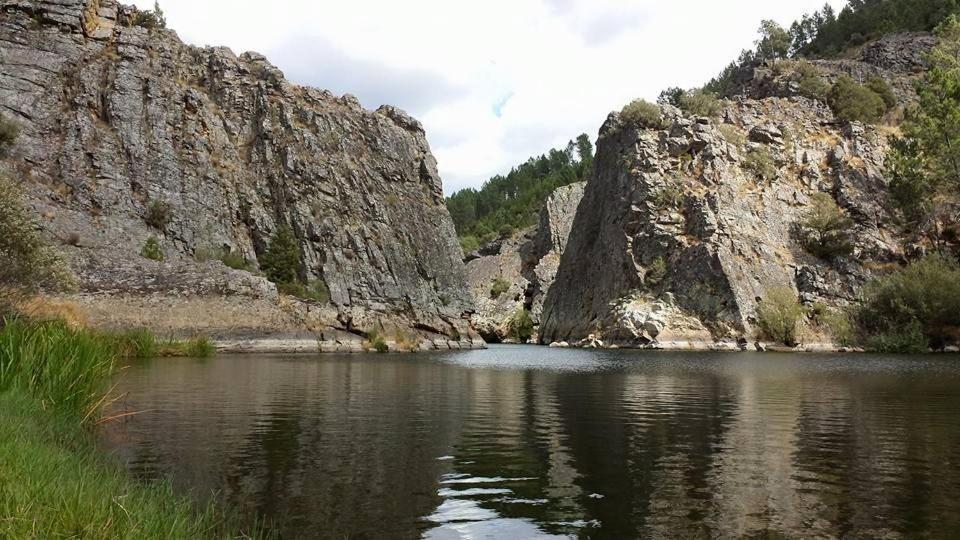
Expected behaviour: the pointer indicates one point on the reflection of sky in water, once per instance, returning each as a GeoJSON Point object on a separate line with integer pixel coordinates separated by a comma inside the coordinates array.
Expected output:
{"type": "Point", "coordinates": [521, 442]}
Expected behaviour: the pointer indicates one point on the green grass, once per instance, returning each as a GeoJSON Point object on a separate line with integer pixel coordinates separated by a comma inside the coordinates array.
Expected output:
{"type": "Point", "coordinates": [53, 481]}
{"type": "Point", "coordinates": [63, 368]}
{"type": "Point", "coordinates": [197, 347]}
{"type": "Point", "coordinates": [55, 484]}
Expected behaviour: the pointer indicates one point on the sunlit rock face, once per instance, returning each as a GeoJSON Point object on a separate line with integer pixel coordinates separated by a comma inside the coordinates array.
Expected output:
{"type": "Point", "coordinates": [116, 117]}
{"type": "Point", "coordinates": [679, 236]}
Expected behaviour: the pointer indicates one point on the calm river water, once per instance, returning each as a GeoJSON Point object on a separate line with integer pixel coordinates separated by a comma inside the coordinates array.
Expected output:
{"type": "Point", "coordinates": [526, 442]}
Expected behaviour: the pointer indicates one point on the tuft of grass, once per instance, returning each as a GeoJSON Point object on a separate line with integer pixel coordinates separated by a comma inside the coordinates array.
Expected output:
{"type": "Point", "coordinates": [231, 259]}
{"type": "Point", "coordinates": [195, 347]}
{"type": "Point", "coordinates": [136, 343]}
{"type": "Point", "coordinates": [152, 250]}
{"type": "Point", "coordinates": [376, 342]}
{"type": "Point", "coordinates": [499, 287]}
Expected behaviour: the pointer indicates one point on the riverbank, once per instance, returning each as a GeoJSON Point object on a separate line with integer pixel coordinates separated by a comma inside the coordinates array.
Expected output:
{"type": "Point", "coordinates": [54, 482]}
{"type": "Point", "coordinates": [301, 345]}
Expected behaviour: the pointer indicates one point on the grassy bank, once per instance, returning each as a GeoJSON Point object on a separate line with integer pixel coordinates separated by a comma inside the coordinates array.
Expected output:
{"type": "Point", "coordinates": [53, 481]}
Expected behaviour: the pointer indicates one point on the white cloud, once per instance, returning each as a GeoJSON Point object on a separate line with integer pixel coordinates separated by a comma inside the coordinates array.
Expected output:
{"type": "Point", "coordinates": [493, 82]}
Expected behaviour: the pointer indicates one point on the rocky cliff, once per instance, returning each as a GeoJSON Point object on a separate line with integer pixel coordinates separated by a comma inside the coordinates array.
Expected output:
{"type": "Point", "coordinates": [515, 273]}
{"type": "Point", "coordinates": [118, 120]}
{"type": "Point", "coordinates": [684, 230]}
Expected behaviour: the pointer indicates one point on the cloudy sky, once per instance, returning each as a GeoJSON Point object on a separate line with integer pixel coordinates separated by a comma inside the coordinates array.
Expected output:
{"type": "Point", "coordinates": [494, 81]}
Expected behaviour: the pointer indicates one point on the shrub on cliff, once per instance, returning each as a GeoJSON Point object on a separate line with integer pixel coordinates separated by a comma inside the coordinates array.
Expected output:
{"type": "Point", "coordinates": [826, 229]}
{"type": "Point", "coordinates": [855, 103]}
{"type": "Point", "coordinates": [656, 272]}
{"type": "Point", "coordinates": [151, 249]}
{"type": "Point", "coordinates": [760, 162]}
{"type": "Point", "coordinates": [9, 131]}
{"type": "Point", "coordinates": [921, 299]}
{"type": "Point", "coordinates": [880, 87]}
{"type": "Point", "coordinates": [499, 287]}
{"type": "Point", "coordinates": [231, 259]}
{"type": "Point", "coordinates": [281, 262]}
{"type": "Point", "coordinates": [28, 264]}
{"type": "Point", "coordinates": [700, 102]}
{"type": "Point", "coordinates": [158, 215]}
{"type": "Point", "coordinates": [809, 82]}
{"type": "Point", "coordinates": [520, 325]}
{"type": "Point", "coordinates": [151, 19]}
{"type": "Point", "coordinates": [643, 113]}
{"type": "Point", "coordinates": [779, 316]}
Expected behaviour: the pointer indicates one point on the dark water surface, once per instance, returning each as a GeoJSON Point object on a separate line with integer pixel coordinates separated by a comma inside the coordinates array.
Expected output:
{"type": "Point", "coordinates": [524, 442]}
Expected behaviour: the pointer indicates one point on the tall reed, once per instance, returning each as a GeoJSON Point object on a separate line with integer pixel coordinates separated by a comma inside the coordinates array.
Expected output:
{"type": "Point", "coordinates": [64, 368]}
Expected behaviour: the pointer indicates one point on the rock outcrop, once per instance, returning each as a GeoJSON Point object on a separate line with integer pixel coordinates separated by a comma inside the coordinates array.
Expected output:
{"type": "Point", "coordinates": [119, 120]}
{"type": "Point", "coordinates": [515, 274]}
{"type": "Point", "coordinates": [684, 230]}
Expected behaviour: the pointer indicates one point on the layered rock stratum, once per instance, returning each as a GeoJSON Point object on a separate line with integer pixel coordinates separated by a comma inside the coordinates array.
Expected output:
{"type": "Point", "coordinates": [678, 239]}
{"type": "Point", "coordinates": [117, 118]}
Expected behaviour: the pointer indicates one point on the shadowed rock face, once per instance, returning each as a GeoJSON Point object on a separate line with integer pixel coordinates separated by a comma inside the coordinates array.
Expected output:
{"type": "Point", "coordinates": [117, 117]}
{"type": "Point", "coordinates": [688, 199]}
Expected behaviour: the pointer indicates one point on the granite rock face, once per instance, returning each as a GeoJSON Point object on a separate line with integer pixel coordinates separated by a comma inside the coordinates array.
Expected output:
{"type": "Point", "coordinates": [678, 238]}
{"type": "Point", "coordinates": [117, 119]}
{"type": "Point", "coordinates": [526, 263]}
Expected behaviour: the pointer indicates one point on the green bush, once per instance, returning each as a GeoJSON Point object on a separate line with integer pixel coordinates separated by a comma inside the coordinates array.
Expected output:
{"type": "Point", "coordinates": [158, 215]}
{"type": "Point", "coordinates": [925, 294]}
{"type": "Point", "coordinates": [281, 262]}
{"type": "Point", "coordinates": [231, 259]}
{"type": "Point", "coordinates": [760, 162]}
{"type": "Point", "coordinates": [779, 316]}
{"type": "Point", "coordinates": [644, 114]}
{"type": "Point", "coordinates": [700, 102]}
{"type": "Point", "coordinates": [520, 326]}
{"type": "Point", "coordinates": [907, 339]}
{"type": "Point", "coordinates": [827, 229]}
{"type": "Point", "coordinates": [9, 131]}
{"type": "Point", "coordinates": [376, 342]}
{"type": "Point", "coordinates": [836, 323]}
{"type": "Point", "coordinates": [733, 135]}
{"type": "Point", "coordinates": [150, 19]}
{"type": "Point", "coordinates": [809, 82]}
{"type": "Point", "coordinates": [29, 265]}
{"type": "Point", "coordinates": [880, 87]}
{"type": "Point", "coordinates": [318, 291]}
{"type": "Point", "coordinates": [855, 103]}
{"type": "Point", "coordinates": [669, 196]}
{"type": "Point", "coordinates": [151, 249]}
{"type": "Point", "coordinates": [469, 244]}
{"type": "Point", "coordinates": [499, 287]}
{"type": "Point", "coordinates": [656, 272]}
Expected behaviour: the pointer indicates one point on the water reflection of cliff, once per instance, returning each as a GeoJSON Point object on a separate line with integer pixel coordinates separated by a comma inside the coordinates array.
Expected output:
{"type": "Point", "coordinates": [676, 447]}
